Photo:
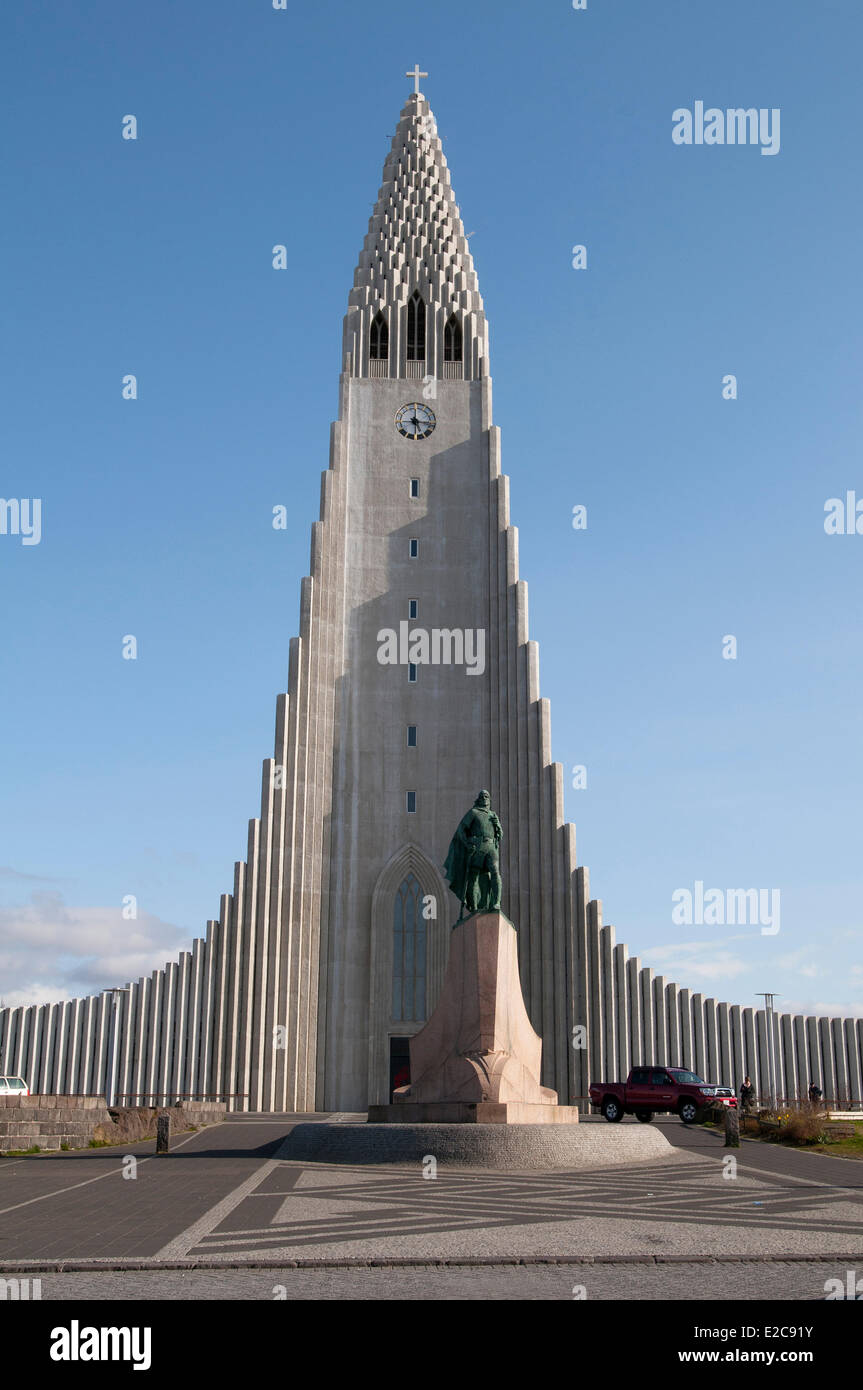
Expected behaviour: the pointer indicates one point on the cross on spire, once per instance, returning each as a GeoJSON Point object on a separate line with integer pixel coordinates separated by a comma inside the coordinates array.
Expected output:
{"type": "Point", "coordinates": [416, 75]}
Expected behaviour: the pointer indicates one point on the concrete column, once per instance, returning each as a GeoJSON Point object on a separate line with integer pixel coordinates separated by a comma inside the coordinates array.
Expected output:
{"type": "Point", "coordinates": [36, 1042]}
{"type": "Point", "coordinates": [621, 994]}
{"type": "Point", "coordinates": [698, 1039]}
{"type": "Point", "coordinates": [584, 1005]}
{"type": "Point", "coordinates": [88, 1047]}
{"type": "Point", "coordinates": [13, 1018]}
{"type": "Point", "coordinates": [195, 1018]}
{"type": "Point", "coordinates": [60, 1042]}
{"type": "Point", "coordinates": [181, 1082]}
{"type": "Point", "coordinates": [855, 1072]}
{"type": "Point", "coordinates": [711, 1042]}
{"type": "Point", "coordinates": [738, 1052]}
{"type": "Point", "coordinates": [750, 1051]}
{"type": "Point", "coordinates": [166, 1026]}
{"type": "Point", "coordinates": [561, 933]}
{"type": "Point", "coordinates": [636, 1020]}
{"type": "Point", "coordinates": [138, 1077]}
{"type": "Point", "coordinates": [246, 1004]}
{"type": "Point", "coordinates": [763, 1056]}
{"type": "Point", "coordinates": [816, 1067]}
{"type": "Point", "coordinates": [209, 999]}
{"type": "Point", "coordinates": [801, 1058]}
{"type": "Point", "coordinates": [648, 1029]}
{"type": "Point", "coordinates": [672, 1019]}
{"type": "Point", "coordinates": [840, 1062]}
{"type": "Point", "coordinates": [223, 955]}
{"type": "Point", "coordinates": [725, 1066]}
{"type": "Point", "coordinates": [598, 1059]}
{"type": "Point", "coordinates": [76, 1036]}
{"type": "Point", "coordinates": [825, 1036]}
{"type": "Point", "coordinates": [789, 1066]}
{"type": "Point", "coordinates": [104, 1006]}
{"type": "Point", "coordinates": [684, 1013]}
{"type": "Point", "coordinates": [63, 1039]}
{"type": "Point", "coordinates": [151, 1084]}
{"type": "Point", "coordinates": [233, 1003]}
{"type": "Point", "coordinates": [47, 1080]}
{"type": "Point", "coordinates": [25, 1018]}
{"type": "Point", "coordinates": [574, 991]}
{"type": "Point", "coordinates": [130, 1036]}
{"type": "Point", "coordinates": [660, 1022]}
{"type": "Point", "coordinates": [609, 1029]}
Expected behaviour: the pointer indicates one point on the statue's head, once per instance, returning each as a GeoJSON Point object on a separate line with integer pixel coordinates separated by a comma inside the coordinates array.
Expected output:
{"type": "Point", "coordinates": [483, 800]}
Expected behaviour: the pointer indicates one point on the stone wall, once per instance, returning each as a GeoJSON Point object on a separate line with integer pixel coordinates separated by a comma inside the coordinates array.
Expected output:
{"type": "Point", "coordinates": [51, 1121]}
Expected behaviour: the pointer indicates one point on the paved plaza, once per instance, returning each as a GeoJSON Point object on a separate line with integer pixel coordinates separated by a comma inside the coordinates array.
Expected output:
{"type": "Point", "coordinates": [224, 1216]}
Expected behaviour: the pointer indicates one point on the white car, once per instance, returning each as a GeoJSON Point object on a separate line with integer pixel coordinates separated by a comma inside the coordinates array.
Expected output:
{"type": "Point", "coordinates": [13, 1086]}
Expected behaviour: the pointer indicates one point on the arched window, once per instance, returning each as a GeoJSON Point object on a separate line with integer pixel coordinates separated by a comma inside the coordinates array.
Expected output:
{"type": "Point", "coordinates": [416, 328]}
{"type": "Point", "coordinates": [409, 953]}
{"type": "Point", "coordinates": [452, 340]}
{"type": "Point", "coordinates": [379, 343]}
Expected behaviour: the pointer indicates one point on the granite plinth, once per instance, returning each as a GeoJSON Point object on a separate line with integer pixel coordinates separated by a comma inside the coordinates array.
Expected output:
{"type": "Point", "coordinates": [473, 1113]}
{"type": "Point", "coordinates": [494, 1147]}
{"type": "Point", "coordinates": [478, 1047]}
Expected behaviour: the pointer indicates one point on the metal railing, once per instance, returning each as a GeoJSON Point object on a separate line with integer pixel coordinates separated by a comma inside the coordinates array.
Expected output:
{"type": "Point", "coordinates": [175, 1097]}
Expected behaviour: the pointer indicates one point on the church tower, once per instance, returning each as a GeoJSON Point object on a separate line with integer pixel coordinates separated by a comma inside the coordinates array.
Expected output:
{"type": "Point", "coordinates": [415, 541]}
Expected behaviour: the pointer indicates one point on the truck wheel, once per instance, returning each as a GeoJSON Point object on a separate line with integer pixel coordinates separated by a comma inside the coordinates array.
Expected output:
{"type": "Point", "coordinates": [612, 1110]}
{"type": "Point", "coordinates": [645, 1116]}
{"type": "Point", "coordinates": [688, 1111]}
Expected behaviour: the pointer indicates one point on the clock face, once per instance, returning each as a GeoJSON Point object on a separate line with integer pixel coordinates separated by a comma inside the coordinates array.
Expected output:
{"type": "Point", "coordinates": [415, 421]}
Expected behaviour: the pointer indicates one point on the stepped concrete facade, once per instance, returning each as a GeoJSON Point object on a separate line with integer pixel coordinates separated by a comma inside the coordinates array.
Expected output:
{"type": "Point", "coordinates": [329, 952]}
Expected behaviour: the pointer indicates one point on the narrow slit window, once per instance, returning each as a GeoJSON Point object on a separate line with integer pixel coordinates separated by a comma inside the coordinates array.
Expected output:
{"type": "Point", "coordinates": [412, 803]}
{"type": "Point", "coordinates": [415, 547]}
{"type": "Point", "coordinates": [412, 671]}
{"type": "Point", "coordinates": [415, 487]}
{"type": "Point", "coordinates": [412, 735]}
{"type": "Point", "coordinates": [413, 608]}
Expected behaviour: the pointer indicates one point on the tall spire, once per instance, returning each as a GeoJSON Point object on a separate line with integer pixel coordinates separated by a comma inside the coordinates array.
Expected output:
{"type": "Point", "coordinates": [416, 242]}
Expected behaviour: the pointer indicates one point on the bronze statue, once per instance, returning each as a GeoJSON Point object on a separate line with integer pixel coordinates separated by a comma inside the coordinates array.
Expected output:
{"type": "Point", "coordinates": [473, 863]}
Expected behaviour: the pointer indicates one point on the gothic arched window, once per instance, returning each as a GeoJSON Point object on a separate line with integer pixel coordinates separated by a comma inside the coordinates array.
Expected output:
{"type": "Point", "coordinates": [416, 328]}
{"type": "Point", "coordinates": [452, 340]}
{"type": "Point", "coordinates": [379, 342]}
{"type": "Point", "coordinates": [409, 953]}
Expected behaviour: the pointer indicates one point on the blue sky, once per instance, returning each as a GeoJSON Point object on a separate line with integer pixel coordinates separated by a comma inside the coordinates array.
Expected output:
{"type": "Point", "coordinates": [705, 516]}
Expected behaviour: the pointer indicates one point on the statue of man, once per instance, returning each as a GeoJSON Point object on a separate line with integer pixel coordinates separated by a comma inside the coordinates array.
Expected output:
{"type": "Point", "coordinates": [473, 863]}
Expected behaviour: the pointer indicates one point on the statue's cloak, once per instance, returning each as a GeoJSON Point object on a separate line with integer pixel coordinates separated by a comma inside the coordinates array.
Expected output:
{"type": "Point", "coordinates": [459, 858]}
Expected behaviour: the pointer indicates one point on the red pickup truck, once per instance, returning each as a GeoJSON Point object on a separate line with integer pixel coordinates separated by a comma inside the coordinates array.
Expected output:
{"type": "Point", "coordinates": [651, 1090]}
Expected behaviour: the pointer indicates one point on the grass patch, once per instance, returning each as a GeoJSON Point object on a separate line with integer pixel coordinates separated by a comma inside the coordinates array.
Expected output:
{"type": "Point", "coordinates": [850, 1146]}
{"type": "Point", "coordinates": [806, 1129]}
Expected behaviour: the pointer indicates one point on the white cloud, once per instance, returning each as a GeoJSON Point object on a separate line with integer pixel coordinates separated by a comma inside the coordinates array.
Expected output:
{"type": "Point", "coordinates": [695, 962]}
{"type": "Point", "coordinates": [7, 872]}
{"type": "Point", "coordinates": [50, 951]}
{"type": "Point", "coordinates": [799, 963]}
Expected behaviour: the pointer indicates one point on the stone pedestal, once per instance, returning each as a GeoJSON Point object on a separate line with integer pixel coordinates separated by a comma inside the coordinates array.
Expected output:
{"type": "Point", "coordinates": [477, 1060]}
